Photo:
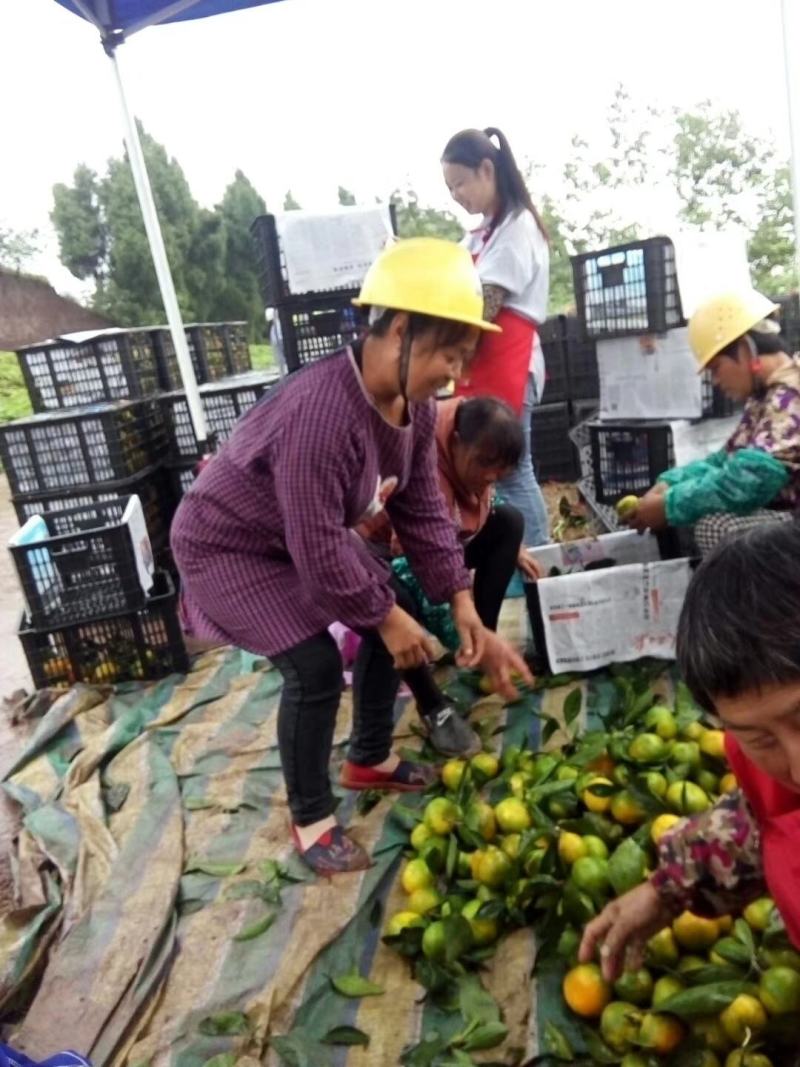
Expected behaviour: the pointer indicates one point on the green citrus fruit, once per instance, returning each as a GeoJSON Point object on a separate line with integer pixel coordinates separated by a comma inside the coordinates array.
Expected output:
{"type": "Point", "coordinates": [661, 721]}
{"type": "Point", "coordinates": [591, 875]}
{"type": "Point", "coordinates": [687, 798]}
{"type": "Point", "coordinates": [635, 986]}
{"type": "Point", "coordinates": [441, 816]}
{"type": "Point", "coordinates": [666, 986]}
{"type": "Point", "coordinates": [434, 941]}
{"type": "Point", "coordinates": [656, 783]}
{"type": "Point", "coordinates": [596, 847]}
{"type": "Point", "coordinates": [662, 949]}
{"type": "Point", "coordinates": [758, 914]}
{"type": "Point", "coordinates": [746, 1013]}
{"type": "Point", "coordinates": [626, 507]}
{"type": "Point", "coordinates": [661, 1033]}
{"type": "Point", "coordinates": [685, 753]}
{"type": "Point", "coordinates": [419, 835]}
{"type": "Point", "coordinates": [481, 820]}
{"type": "Point", "coordinates": [512, 816]}
{"type": "Point", "coordinates": [401, 920]}
{"type": "Point", "coordinates": [453, 773]}
{"type": "Point", "coordinates": [416, 875]}
{"type": "Point", "coordinates": [491, 867]}
{"type": "Point", "coordinates": [626, 809]}
{"type": "Point", "coordinates": [619, 1025]}
{"type": "Point", "coordinates": [485, 765]}
{"type": "Point", "coordinates": [484, 931]}
{"type": "Point", "coordinates": [424, 900]}
{"type": "Point", "coordinates": [647, 748]}
{"type": "Point", "coordinates": [779, 990]}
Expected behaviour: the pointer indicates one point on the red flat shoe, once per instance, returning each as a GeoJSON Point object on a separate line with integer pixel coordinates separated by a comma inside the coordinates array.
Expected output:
{"type": "Point", "coordinates": [407, 777]}
{"type": "Point", "coordinates": [333, 853]}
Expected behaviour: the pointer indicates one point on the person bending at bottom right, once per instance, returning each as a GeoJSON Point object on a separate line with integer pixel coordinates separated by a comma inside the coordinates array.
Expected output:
{"type": "Point", "coordinates": [739, 653]}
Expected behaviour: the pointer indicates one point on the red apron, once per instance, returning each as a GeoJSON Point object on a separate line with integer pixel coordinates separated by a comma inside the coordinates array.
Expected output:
{"type": "Point", "coordinates": [777, 811]}
{"type": "Point", "coordinates": [502, 362]}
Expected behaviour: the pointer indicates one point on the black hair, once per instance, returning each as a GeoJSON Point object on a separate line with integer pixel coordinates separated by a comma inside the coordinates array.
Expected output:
{"type": "Point", "coordinates": [469, 148]}
{"type": "Point", "coordinates": [766, 344]}
{"type": "Point", "coordinates": [445, 332]}
{"type": "Point", "coordinates": [492, 428]}
{"type": "Point", "coordinates": [740, 626]}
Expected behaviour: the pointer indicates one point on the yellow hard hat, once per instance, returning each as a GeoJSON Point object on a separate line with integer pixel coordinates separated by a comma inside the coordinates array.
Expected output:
{"type": "Point", "coordinates": [723, 319]}
{"type": "Point", "coordinates": [429, 276]}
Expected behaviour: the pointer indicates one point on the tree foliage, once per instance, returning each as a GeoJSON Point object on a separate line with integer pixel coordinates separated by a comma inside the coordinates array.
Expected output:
{"type": "Point", "coordinates": [17, 247]}
{"type": "Point", "coordinates": [101, 236]}
{"type": "Point", "coordinates": [416, 220]}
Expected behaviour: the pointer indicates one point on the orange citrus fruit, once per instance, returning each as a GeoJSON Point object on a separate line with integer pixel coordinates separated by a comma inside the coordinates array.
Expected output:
{"type": "Point", "coordinates": [626, 809]}
{"type": "Point", "coordinates": [728, 783]}
{"type": "Point", "coordinates": [401, 920]}
{"type": "Point", "coordinates": [661, 824]}
{"type": "Point", "coordinates": [661, 1033]}
{"type": "Point", "coordinates": [586, 991]}
{"type": "Point", "coordinates": [712, 743]}
{"type": "Point", "coordinates": [571, 847]}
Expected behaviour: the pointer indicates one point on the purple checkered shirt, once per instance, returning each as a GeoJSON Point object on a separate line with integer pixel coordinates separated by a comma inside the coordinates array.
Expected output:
{"type": "Point", "coordinates": [264, 540]}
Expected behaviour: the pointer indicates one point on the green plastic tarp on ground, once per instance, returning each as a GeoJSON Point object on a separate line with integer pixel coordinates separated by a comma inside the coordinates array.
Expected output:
{"type": "Point", "coordinates": [151, 819]}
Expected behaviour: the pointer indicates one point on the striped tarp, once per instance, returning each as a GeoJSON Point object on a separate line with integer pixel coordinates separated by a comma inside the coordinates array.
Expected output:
{"type": "Point", "coordinates": [149, 816]}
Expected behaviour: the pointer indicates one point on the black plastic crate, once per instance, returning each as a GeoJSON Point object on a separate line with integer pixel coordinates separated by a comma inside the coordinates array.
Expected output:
{"type": "Point", "coordinates": [223, 402]}
{"type": "Point", "coordinates": [628, 289]}
{"type": "Point", "coordinates": [628, 457]}
{"type": "Point", "coordinates": [238, 348]}
{"type": "Point", "coordinates": [271, 261]}
{"type": "Point", "coordinates": [182, 476]}
{"type": "Point", "coordinates": [169, 374]}
{"type": "Point", "coordinates": [85, 568]}
{"type": "Point", "coordinates": [135, 646]}
{"type": "Point", "coordinates": [552, 334]}
{"type": "Point", "coordinates": [96, 444]}
{"type": "Point", "coordinates": [789, 316]}
{"type": "Point", "coordinates": [582, 410]}
{"type": "Point", "coordinates": [554, 457]}
{"type": "Point", "coordinates": [152, 486]}
{"type": "Point", "coordinates": [582, 371]}
{"type": "Point", "coordinates": [315, 326]}
{"type": "Point", "coordinates": [715, 404]}
{"type": "Point", "coordinates": [115, 365]}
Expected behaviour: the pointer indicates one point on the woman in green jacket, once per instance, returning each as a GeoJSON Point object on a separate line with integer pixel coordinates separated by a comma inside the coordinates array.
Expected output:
{"type": "Point", "coordinates": [755, 478]}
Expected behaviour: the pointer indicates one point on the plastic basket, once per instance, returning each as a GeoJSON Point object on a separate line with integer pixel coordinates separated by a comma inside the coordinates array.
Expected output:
{"type": "Point", "coordinates": [583, 410]}
{"type": "Point", "coordinates": [182, 476]}
{"type": "Point", "coordinates": [789, 316]}
{"type": "Point", "coordinates": [85, 568]}
{"type": "Point", "coordinates": [271, 262]}
{"type": "Point", "coordinates": [119, 365]}
{"type": "Point", "coordinates": [715, 404]}
{"type": "Point", "coordinates": [137, 645]}
{"type": "Point", "coordinates": [628, 457]}
{"type": "Point", "coordinates": [100, 443]}
{"type": "Point", "coordinates": [153, 487]}
{"type": "Point", "coordinates": [553, 453]}
{"type": "Point", "coordinates": [581, 355]}
{"type": "Point", "coordinates": [628, 289]}
{"type": "Point", "coordinates": [316, 326]}
{"type": "Point", "coordinates": [223, 403]}
{"type": "Point", "coordinates": [552, 334]}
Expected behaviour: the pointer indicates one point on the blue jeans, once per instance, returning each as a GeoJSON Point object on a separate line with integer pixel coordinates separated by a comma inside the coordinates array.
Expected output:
{"type": "Point", "coordinates": [521, 488]}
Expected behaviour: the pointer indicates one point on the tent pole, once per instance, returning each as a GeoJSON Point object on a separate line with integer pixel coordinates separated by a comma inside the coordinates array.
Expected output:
{"type": "Point", "coordinates": [160, 261]}
{"type": "Point", "coordinates": [794, 162]}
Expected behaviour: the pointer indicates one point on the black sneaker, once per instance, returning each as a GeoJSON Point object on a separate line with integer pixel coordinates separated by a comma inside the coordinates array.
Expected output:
{"type": "Point", "coordinates": [449, 734]}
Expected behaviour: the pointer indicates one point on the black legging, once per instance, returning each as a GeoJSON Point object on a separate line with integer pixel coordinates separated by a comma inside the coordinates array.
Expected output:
{"type": "Point", "coordinates": [492, 554]}
{"type": "Point", "coordinates": [312, 680]}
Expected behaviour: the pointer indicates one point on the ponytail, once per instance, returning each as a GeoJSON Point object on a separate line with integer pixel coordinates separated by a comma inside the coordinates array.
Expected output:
{"type": "Point", "coordinates": [469, 148]}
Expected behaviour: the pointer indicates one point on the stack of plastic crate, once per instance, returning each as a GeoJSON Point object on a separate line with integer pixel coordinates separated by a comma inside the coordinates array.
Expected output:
{"type": "Point", "coordinates": [628, 291]}
{"type": "Point", "coordinates": [96, 607]}
{"type": "Point", "coordinates": [307, 324]}
{"type": "Point", "coordinates": [570, 396]}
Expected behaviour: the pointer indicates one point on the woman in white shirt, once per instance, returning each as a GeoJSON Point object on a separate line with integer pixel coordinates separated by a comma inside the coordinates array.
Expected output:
{"type": "Point", "coordinates": [510, 249]}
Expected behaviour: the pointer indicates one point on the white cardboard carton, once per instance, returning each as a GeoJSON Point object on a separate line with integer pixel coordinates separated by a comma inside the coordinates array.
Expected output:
{"type": "Point", "coordinates": [613, 615]}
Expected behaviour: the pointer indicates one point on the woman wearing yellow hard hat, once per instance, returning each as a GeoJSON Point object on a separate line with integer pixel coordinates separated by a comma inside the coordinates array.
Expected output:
{"type": "Point", "coordinates": [269, 558]}
{"type": "Point", "coordinates": [755, 478]}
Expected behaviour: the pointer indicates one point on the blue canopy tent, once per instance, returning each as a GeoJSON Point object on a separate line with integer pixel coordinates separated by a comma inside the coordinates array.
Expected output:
{"type": "Point", "coordinates": [116, 20]}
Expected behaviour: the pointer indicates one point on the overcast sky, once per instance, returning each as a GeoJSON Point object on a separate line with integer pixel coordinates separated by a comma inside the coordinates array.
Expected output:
{"type": "Point", "coordinates": [308, 94]}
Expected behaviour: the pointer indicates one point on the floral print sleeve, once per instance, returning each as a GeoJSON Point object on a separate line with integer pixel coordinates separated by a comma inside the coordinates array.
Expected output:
{"type": "Point", "coordinates": [712, 861]}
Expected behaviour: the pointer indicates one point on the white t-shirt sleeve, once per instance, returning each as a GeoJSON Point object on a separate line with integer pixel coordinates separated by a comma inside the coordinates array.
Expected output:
{"type": "Point", "coordinates": [517, 258]}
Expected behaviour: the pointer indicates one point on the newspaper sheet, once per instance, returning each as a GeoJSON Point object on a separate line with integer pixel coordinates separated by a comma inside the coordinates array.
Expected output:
{"type": "Point", "coordinates": [649, 377]}
{"type": "Point", "coordinates": [614, 615]}
{"type": "Point", "coordinates": [331, 251]}
{"type": "Point", "coordinates": [696, 440]}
